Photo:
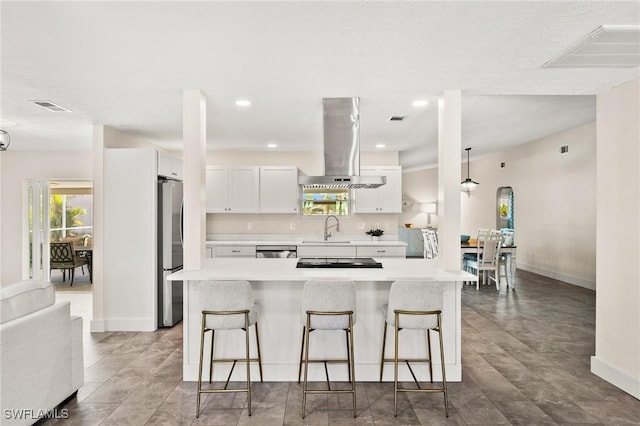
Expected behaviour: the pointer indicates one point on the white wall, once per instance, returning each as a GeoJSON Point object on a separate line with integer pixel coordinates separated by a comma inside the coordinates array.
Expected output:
{"type": "Point", "coordinates": [617, 357]}
{"type": "Point", "coordinates": [555, 202]}
{"type": "Point", "coordinates": [17, 168]}
{"type": "Point", "coordinates": [309, 163]}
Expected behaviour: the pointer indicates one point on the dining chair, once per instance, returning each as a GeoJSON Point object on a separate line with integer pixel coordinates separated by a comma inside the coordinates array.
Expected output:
{"type": "Point", "coordinates": [62, 256]}
{"type": "Point", "coordinates": [430, 241]}
{"type": "Point", "coordinates": [487, 257]}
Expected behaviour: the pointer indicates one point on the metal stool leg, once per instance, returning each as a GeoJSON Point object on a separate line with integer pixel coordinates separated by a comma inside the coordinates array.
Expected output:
{"type": "Point", "coordinates": [258, 346]}
{"type": "Point", "coordinates": [444, 373]}
{"type": "Point", "coordinates": [301, 352]}
{"type": "Point", "coordinates": [384, 341]}
{"type": "Point", "coordinates": [429, 354]}
{"type": "Point", "coordinates": [213, 336]}
{"type": "Point", "coordinates": [200, 366]}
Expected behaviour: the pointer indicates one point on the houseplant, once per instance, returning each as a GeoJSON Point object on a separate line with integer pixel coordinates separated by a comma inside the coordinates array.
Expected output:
{"type": "Point", "coordinates": [375, 233]}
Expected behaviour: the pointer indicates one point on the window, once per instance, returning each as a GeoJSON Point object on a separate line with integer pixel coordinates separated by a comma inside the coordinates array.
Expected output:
{"type": "Point", "coordinates": [322, 202]}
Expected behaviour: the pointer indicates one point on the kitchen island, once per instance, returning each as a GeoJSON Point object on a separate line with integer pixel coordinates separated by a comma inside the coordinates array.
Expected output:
{"type": "Point", "coordinates": [277, 288]}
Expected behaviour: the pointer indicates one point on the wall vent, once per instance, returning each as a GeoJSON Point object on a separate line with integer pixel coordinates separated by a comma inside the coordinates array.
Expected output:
{"type": "Point", "coordinates": [606, 46]}
{"type": "Point", "coordinates": [564, 149]}
{"type": "Point", "coordinates": [51, 106]}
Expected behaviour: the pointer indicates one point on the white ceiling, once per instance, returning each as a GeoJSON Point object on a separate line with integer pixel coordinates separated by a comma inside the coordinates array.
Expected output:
{"type": "Point", "coordinates": [125, 64]}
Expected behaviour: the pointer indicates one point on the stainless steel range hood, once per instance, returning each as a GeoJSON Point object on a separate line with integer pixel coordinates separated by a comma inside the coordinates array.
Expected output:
{"type": "Point", "coordinates": [341, 148]}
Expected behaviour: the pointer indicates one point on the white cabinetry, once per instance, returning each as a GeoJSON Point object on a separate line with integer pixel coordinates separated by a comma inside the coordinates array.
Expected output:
{"type": "Point", "coordinates": [381, 251]}
{"type": "Point", "coordinates": [385, 199]}
{"type": "Point", "coordinates": [234, 251]}
{"type": "Point", "coordinates": [169, 166]}
{"type": "Point", "coordinates": [232, 189]}
{"type": "Point", "coordinates": [278, 189]}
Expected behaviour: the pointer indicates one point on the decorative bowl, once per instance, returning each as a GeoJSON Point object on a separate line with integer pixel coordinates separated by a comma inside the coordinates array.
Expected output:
{"type": "Point", "coordinates": [464, 238]}
{"type": "Point", "coordinates": [408, 225]}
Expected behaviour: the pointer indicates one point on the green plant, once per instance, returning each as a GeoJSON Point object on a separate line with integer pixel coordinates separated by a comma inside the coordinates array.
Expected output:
{"type": "Point", "coordinates": [375, 232]}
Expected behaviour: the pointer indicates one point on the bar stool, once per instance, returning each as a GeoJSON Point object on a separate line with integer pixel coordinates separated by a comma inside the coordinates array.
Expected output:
{"type": "Point", "coordinates": [227, 305]}
{"type": "Point", "coordinates": [327, 305]}
{"type": "Point", "coordinates": [415, 305]}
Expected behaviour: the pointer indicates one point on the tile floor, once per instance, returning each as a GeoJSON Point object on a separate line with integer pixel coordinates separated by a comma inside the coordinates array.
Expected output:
{"type": "Point", "coordinates": [525, 361]}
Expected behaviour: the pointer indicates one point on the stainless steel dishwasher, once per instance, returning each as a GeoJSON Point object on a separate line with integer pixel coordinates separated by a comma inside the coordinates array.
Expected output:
{"type": "Point", "coordinates": [273, 251]}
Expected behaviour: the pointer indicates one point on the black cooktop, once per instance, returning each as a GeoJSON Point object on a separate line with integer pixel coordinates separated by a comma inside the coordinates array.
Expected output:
{"type": "Point", "coordinates": [323, 262]}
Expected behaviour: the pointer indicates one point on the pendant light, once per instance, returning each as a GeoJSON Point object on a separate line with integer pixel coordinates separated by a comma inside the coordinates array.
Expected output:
{"type": "Point", "coordinates": [468, 184]}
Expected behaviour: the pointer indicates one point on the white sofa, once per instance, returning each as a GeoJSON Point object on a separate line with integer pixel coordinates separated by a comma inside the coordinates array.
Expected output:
{"type": "Point", "coordinates": [41, 361]}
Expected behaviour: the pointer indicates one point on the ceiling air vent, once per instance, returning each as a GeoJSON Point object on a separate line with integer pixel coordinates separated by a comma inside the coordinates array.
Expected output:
{"type": "Point", "coordinates": [51, 106]}
{"type": "Point", "coordinates": [397, 117]}
{"type": "Point", "coordinates": [607, 46]}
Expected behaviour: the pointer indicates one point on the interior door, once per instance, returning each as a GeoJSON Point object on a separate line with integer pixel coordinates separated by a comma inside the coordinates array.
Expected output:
{"type": "Point", "coordinates": [36, 236]}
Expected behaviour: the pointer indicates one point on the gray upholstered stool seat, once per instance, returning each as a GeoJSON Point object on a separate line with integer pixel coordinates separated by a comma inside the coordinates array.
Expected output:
{"type": "Point", "coordinates": [327, 305]}
{"type": "Point", "coordinates": [414, 305]}
{"type": "Point", "coordinates": [227, 305]}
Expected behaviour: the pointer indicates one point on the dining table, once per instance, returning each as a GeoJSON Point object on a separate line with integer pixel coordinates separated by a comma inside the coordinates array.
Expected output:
{"type": "Point", "coordinates": [509, 253]}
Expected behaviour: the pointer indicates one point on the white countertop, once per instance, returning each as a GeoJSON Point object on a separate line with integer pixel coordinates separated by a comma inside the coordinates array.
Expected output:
{"type": "Point", "coordinates": [380, 243]}
{"type": "Point", "coordinates": [256, 269]}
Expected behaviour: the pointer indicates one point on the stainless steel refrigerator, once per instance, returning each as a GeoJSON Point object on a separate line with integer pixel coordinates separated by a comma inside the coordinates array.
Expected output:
{"type": "Point", "coordinates": [169, 251]}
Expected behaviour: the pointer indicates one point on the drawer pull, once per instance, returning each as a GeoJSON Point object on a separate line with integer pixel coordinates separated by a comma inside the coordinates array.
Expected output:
{"type": "Point", "coordinates": [235, 251]}
{"type": "Point", "coordinates": [381, 251]}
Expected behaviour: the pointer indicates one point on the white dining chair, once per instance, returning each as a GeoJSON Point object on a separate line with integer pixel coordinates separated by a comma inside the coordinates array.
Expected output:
{"type": "Point", "coordinates": [430, 242]}
{"type": "Point", "coordinates": [487, 258]}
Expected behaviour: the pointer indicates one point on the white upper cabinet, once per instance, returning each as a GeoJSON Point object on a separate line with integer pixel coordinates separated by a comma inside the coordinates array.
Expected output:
{"type": "Point", "coordinates": [232, 189]}
{"type": "Point", "coordinates": [385, 199]}
{"type": "Point", "coordinates": [278, 189]}
{"type": "Point", "coordinates": [169, 166]}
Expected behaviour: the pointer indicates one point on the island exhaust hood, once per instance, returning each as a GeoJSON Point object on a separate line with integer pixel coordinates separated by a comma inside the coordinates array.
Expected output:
{"type": "Point", "coordinates": [341, 148]}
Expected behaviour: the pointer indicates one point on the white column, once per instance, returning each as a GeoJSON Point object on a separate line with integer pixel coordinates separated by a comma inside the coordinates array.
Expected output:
{"type": "Point", "coordinates": [97, 322]}
{"type": "Point", "coordinates": [449, 154]}
{"type": "Point", "coordinates": [194, 121]}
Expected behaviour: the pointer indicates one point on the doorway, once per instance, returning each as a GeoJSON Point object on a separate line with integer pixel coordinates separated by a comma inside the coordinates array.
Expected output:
{"type": "Point", "coordinates": [59, 210]}
{"type": "Point", "coordinates": [505, 208]}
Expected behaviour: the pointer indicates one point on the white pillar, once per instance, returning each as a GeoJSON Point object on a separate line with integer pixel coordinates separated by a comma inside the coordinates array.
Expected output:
{"type": "Point", "coordinates": [449, 154]}
{"type": "Point", "coordinates": [194, 132]}
{"type": "Point", "coordinates": [97, 322]}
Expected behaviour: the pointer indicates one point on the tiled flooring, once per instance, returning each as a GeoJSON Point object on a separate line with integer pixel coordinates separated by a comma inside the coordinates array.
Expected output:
{"type": "Point", "coordinates": [525, 361]}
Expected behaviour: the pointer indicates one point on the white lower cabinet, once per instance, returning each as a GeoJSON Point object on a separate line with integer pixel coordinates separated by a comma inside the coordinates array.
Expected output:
{"type": "Point", "coordinates": [381, 251]}
{"type": "Point", "coordinates": [234, 251]}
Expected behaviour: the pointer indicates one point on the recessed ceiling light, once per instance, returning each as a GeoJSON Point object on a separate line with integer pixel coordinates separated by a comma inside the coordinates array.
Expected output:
{"type": "Point", "coordinates": [420, 103]}
{"type": "Point", "coordinates": [380, 145]}
{"type": "Point", "coordinates": [272, 145]}
{"type": "Point", "coordinates": [243, 103]}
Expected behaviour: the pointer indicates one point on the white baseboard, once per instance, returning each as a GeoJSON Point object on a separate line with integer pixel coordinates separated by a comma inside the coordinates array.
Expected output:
{"type": "Point", "coordinates": [616, 377]}
{"type": "Point", "coordinates": [580, 282]}
{"type": "Point", "coordinates": [130, 324]}
{"type": "Point", "coordinates": [96, 326]}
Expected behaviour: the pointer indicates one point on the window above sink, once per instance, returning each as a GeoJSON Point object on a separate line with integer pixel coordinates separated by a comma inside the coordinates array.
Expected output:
{"type": "Point", "coordinates": [323, 202]}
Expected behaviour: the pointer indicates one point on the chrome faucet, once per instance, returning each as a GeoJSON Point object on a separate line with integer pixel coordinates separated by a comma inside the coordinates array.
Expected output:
{"type": "Point", "coordinates": [327, 234]}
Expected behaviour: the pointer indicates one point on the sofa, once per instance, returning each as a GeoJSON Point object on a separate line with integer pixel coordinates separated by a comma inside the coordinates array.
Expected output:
{"type": "Point", "coordinates": [41, 363]}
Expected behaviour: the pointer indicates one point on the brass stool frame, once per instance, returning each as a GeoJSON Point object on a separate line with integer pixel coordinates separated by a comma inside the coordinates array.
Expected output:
{"type": "Point", "coordinates": [304, 349]}
{"type": "Point", "coordinates": [395, 359]}
{"type": "Point", "coordinates": [212, 361]}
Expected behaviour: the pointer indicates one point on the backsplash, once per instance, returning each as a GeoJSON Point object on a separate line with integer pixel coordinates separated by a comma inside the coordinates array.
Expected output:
{"type": "Point", "coordinates": [295, 225]}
